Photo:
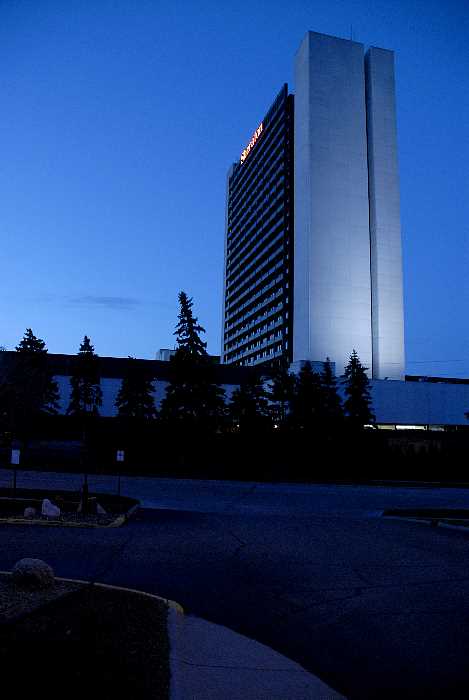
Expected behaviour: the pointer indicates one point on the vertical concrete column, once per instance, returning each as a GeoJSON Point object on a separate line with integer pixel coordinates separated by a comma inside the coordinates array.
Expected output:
{"type": "Point", "coordinates": [227, 200]}
{"type": "Point", "coordinates": [385, 227]}
{"type": "Point", "coordinates": [332, 288]}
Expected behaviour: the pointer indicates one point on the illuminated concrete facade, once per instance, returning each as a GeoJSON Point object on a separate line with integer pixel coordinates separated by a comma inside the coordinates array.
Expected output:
{"type": "Point", "coordinates": [348, 267]}
{"type": "Point", "coordinates": [342, 283]}
{"type": "Point", "coordinates": [387, 307]}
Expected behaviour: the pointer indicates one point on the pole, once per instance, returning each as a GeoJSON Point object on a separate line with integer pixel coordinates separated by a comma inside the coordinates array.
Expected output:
{"type": "Point", "coordinates": [85, 456]}
{"type": "Point", "coordinates": [84, 459]}
{"type": "Point", "coordinates": [15, 460]}
{"type": "Point", "coordinates": [120, 456]}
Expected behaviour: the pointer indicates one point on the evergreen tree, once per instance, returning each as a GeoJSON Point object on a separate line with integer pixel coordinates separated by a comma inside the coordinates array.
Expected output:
{"type": "Point", "coordinates": [29, 389]}
{"type": "Point", "coordinates": [357, 391]}
{"type": "Point", "coordinates": [188, 329]}
{"type": "Point", "coordinates": [249, 406]}
{"type": "Point", "coordinates": [281, 393]}
{"type": "Point", "coordinates": [192, 397]}
{"type": "Point", "coordinates": [332, 403]}
{"type": "Point", "coordinates": [308, 398]}
{"type": "Point", "coordinates": [30, 344]}
{"type": "Point", "coordinates": [135, 396]}
{"type": "Point", "coordinates": [33, 365]}
{"type": "Point", "coordinates": [33, 382]}
{"type": "Point", "coordinates": [86, 396]}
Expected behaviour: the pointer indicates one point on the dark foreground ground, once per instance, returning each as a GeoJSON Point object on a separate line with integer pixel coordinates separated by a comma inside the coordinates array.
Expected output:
{"type": "Point", "coordinates": [89, 642]}
{"type": "Point", "coordinates": [377, 608]}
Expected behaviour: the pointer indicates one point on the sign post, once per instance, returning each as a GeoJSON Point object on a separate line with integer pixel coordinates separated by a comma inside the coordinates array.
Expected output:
{"type": "Point", "coordinates": [15, 460]}
{"type": "Point", "coordinates": [120, 457]}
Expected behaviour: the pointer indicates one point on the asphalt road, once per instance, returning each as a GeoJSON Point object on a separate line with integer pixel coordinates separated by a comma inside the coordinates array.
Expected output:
{"type": "Point", "coordinates": [377, 608]}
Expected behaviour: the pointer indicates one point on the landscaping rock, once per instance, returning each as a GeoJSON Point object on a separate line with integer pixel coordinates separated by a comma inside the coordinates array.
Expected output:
{"type": "Point", "coordinates": [33, 573]}
{"type": "Point", "coordinates": [30, 512]}
{"type": "Point", "coordinates": [49, 509]}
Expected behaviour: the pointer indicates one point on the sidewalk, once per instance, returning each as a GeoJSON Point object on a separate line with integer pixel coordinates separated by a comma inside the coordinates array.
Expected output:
{"type": "Point", "coordinates": [210, 662]}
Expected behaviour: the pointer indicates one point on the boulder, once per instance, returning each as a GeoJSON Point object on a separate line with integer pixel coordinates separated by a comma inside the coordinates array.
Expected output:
{"type": "Point", "coordinates": [33, 573]}
{"type": "Point", "coordinates": [100, 510]}
{"type": "Point", "coordinates": [49, 509]}
{"type": "Point", "coordinates": [30, 512]}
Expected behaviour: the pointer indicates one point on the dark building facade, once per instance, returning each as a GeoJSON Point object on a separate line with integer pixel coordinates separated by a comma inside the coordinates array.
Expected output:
{"type": "Point", "coordinates": [258, 303]}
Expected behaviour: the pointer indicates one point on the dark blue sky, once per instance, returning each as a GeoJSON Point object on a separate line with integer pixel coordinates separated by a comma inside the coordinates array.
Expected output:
{"type": "Point", "coordinates": [119, 121]}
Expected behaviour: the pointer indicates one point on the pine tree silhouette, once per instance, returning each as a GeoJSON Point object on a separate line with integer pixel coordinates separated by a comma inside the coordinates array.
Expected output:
{"type": "Point", "coordinates": [86, 396]}
{"type": "Point", "coordinates": [188, 329]}
{"type": "Point", "coordinates": [135, 396]}
{"type": "Point", "coordinates": [332, 407]}
{"type": "Point", "coordinates": [249, 406]}
{"type": "Point", "coordinates": [357, 391]}
{"type": "Point", "coordinates": [34, 376]}
{"type": "Point", "coordinates": [307, 403]}
{"type": "Point", "coordinates": [281, 393]}
{"type": "Point", "coordinates": [29, 389]}
{"type": "Point", "coordinates": [193, 398]}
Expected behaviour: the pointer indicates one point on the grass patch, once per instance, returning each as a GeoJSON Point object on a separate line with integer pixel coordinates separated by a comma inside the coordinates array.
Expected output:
{"type": "Point", "coordinates": [14, 502]}
{"type": "Point", "coordinates": [91, 643]}
{"type": "Point", "coordinates": [111, 502]}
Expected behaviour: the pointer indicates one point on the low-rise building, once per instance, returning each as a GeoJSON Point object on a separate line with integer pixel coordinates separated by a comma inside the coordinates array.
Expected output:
{"type": "Point", "coordinates": [430, 403]}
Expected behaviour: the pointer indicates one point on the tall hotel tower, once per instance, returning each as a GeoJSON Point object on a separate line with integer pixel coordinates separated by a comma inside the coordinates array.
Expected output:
{"type": "Point", "coordinates": [313, 264]}
{"type": "Point", "coordinates": [258, 308]}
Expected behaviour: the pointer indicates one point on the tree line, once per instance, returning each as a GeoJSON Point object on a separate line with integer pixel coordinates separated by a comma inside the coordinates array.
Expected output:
{"type": "Point", "coordinates": [307, 402]}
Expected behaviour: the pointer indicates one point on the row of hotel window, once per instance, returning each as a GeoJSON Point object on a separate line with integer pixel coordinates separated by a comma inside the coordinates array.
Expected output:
{"type": "Point", "coordinates": [261, 227]}
{"type": "Point", "coordinates": [242, 290]}
{"type": "Point", "coordinates": [232, 343]}
{"type": "Point", "coordinates": [268, 354]}
{"type": "Point", "coordinates": [245, 178]}
{"type": "Point", "coordinates": [259, 306]}
{"type": "Point", "coordinates": [267, 314]}
{"type": "Point", "coordinates": [235, 301]}
{"type": "Point", "coordinates": [278, 238]}
{"type": "Point", "coordinates": [241, 196]}
{"type": "Point", "coordinates": [233, 261]}
{"type": "Point", "coordinates": [260, 343]}
{"type": "Point", "coordinates": [230, 334]}
{"type": "Point", "coordinates": [239, 208]}
{"type": "Point", "coordinates": [238, 218]}
{"type": "Point", "coordinates": [254, 273]}
{"type": "Point", "coordinates": [239, 226]}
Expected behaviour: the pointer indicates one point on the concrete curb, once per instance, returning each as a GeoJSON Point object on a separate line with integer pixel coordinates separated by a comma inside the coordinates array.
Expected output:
{"type": "Point", "coordinates": [172, 604]}
{"type": "Point", "coordinates": [55, 523]}
{"type": "Point", "coordinates": [400, 483]}
{"type": "Point", "coordinates": [451, 526]}
{"type": "Point", "coordinates": [463, 526]}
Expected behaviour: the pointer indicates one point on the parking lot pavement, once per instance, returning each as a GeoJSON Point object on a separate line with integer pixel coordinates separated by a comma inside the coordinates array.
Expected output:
{"type": "Point", "coordinates": [373, 607]}
{"type": "Point", "coordinates": [251, 497]}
